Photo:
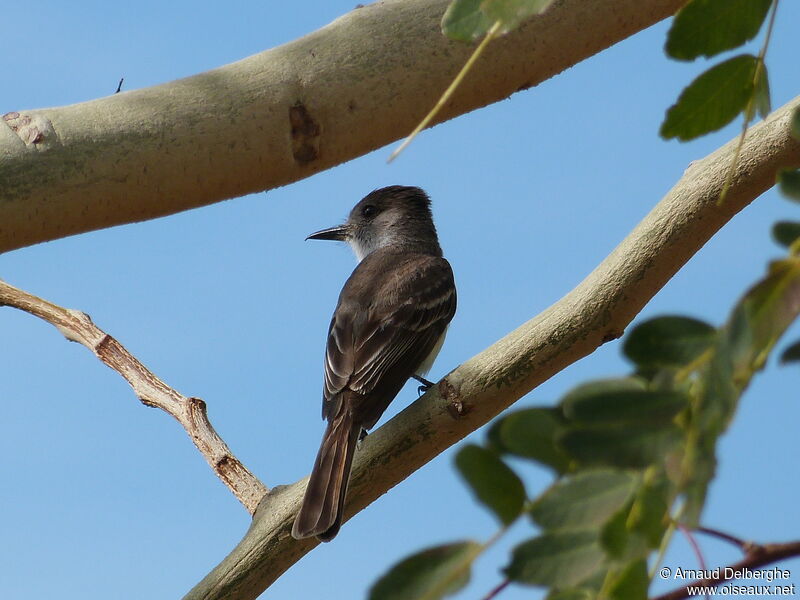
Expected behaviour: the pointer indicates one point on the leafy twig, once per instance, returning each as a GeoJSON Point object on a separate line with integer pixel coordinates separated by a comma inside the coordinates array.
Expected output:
{"type": "Point", "coordinates": [750, 111]}
{"type": "Point", "coordinates": [490, 35]}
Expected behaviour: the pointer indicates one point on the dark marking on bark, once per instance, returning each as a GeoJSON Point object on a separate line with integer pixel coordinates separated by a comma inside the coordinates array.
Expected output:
{"type": "Point", "coordinates": [199, 403]}
{"type": "Point", "coordinates": [610, 336]}
{"type": "Point", "coordinates": [455, 406]}
{"type": "Point", "coordinates": [105, 345]}
{"type": "Point", "coordinates": [305, 134]}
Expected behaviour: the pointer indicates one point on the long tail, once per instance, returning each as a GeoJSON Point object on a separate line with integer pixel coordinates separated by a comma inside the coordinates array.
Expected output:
{"type": "Point", "coordinates": [321, 513]}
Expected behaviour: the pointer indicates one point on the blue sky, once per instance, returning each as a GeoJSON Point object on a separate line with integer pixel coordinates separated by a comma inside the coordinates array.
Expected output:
{"type": "Point", "coordinates": [104, 498]}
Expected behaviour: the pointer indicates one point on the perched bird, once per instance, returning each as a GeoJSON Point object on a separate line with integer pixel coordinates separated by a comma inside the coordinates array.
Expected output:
{"type": "Point", "coordinates": [388, 326]}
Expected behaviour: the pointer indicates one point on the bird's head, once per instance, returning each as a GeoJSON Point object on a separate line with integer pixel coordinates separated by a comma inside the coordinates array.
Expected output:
{"type": "Point", "coordinates": [392, 216]}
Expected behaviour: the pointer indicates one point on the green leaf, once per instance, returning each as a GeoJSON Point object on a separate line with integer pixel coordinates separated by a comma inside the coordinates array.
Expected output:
{"type": "Point", "coordinates": [464, 21]}
{"type": "Point", "coordinates": [670, 341]}
{"type": "Point", "coordinates": [614, 535]}
{"type": "Point", "coordinates": [649, 514]}
{"type": "Point", "coordinates": [762, 316]}
{"type": "Point", "coordinates": [708, 27]}
{"type": "Point", "coordinates": [585, 500]}
{"type": "Point", "coordinates": [791, 354]}
{"type": "Point", "coordinates": [626, 407]}
{"type": "Point", "coordinates": [632, 583]}
{"type": "Point", "coordinates": [531, 433]}
{"type": "Point", "coordinates": [511, 13]}
{"type": "Point", "coordinates": [620, 445]}
{"type": "Point", "coordinates": [789, 183]}
{"type": "Point", "coordinates": [428, 575]}
{"type": "Point", "coordinates": [786, 232]}
{"type": "Point", "coordinates": [611, 385]}
{"type": "Point", "coordinates": [761, 96]}
{"type": "Point", "coordinates": [619, 541]}
{"type": "Point", "coordinates": [492, 481]}
{"type": "Point", "coordinates": [712, 100]}
{"type": "Point", "coordinates": [717, 392]}
{"type": "Point", "coordinates": [621, 402]}
{"type": "Point", "coordinates": [572, 594]}
{"type": "Point", "coordinates": [562, 559]}
{"type": "Point", "coordinates": [703, 467]}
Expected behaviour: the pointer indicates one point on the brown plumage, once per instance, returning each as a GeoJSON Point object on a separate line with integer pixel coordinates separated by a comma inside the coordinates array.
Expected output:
{"type": "Point", "coordinates": [388, 325]}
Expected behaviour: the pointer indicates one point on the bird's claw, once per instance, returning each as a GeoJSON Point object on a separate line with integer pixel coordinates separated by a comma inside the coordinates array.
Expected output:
{"type": "Point", "coordinates": [426, 385]}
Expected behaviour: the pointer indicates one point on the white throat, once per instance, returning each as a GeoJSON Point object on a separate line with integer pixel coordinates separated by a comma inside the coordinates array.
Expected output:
{"type": "Point", "coordinates": [361, 248]}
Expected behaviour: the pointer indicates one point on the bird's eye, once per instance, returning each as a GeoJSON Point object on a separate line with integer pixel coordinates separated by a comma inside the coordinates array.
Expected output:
{"type": "Point", "coordinates": [368, 211]}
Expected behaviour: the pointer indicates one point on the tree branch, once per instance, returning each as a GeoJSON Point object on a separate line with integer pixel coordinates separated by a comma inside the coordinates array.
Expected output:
{"type": "Point", "coordinates": [362, 82]}
{"type": "Point", "coordinates": [757, 556]}
{"type": "Point", "coordinates": [189, 412]}
{"type": "Point", "coordinates": [596, 311]}
{"type": "Point", "coordinates": [743, 545]}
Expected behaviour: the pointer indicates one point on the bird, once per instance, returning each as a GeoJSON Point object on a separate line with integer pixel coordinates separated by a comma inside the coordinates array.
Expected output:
{"type": "Point", "coordinates": [388, 326]}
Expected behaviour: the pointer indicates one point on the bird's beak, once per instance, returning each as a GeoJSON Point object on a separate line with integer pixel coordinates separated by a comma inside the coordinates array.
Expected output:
{"type": "Point", "coordinates": [338, 234]}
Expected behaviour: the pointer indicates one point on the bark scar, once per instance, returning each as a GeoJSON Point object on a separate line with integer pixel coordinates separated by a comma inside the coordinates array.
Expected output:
{"type": "Point", "coordinates": [455, 406]}
{"type": "Point", "coordinates": [33, 129]}
{"type": "Point", "coordinates": [305, 134]}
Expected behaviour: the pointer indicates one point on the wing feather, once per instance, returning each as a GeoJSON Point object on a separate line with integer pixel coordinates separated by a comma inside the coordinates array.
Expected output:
{"type": "Point", "coordinates": [384, 327]}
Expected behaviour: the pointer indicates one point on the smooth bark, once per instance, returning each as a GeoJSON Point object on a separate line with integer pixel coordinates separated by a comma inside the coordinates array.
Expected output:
{"type": "Point", "coordinates": [276, 117]}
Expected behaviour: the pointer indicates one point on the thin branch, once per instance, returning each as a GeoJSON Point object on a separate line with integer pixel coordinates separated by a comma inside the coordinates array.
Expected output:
{"type": "Point", "coordinates": [695, 547]}
{"type": "Point", "coordinates": [596, 311]}
{"type": "Point", "coordinates": [496, 590]}
{"type": "Point", "coordinates": [750, 109]}
{"type": "Point", "coordinates": [77, 327]}
{"type": "Point", "coordinates": [448, 93]}
{"type": "Point", "coordinates": [743, 545]}
{"type": "Point", "coordinates": [758, 556]}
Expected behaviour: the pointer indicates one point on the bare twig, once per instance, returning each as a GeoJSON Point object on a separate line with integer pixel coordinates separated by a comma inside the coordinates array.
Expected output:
{"type": "Point", "coordinates": [695, 547]}
{"type": "Point", "coordinates": [76, 326]}
{"type": "Point", "coordinates": [493, 593]}
{"type": "Point", "coordinates": [743, 545]}
{"type": "Point", "coordinates": [758, 556]}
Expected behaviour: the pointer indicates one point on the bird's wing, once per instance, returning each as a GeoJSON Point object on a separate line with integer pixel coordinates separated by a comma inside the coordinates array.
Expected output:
{"type": "Point", "coordinates": [373, 350]}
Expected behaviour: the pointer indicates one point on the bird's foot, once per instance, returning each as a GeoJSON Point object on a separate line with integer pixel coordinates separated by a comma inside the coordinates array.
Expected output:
{"type": "Point", "coordinates": [426, 385]}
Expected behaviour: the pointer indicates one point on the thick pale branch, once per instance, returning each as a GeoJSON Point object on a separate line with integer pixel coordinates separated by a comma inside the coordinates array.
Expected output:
{"type": "Point", "coordinates": [189, 412]}
{"type": "Point", "coordinates": [596, 311]}
{"type": "Point", "coordinates": [363, 81]}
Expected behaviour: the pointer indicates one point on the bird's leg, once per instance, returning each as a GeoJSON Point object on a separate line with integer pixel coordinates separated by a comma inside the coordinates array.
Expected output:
{"type": "Point", "coordinates": [426, 385]}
